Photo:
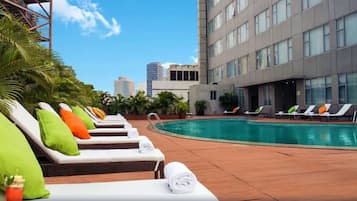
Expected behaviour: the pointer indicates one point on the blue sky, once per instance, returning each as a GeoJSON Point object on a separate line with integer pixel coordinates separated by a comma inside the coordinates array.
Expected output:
{"type": "Point", "coordinates": [105, 39]}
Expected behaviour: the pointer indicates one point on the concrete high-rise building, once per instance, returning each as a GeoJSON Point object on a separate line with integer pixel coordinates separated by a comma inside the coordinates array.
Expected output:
{"type": "Point", "coordinates": [154, 71]}
{"type": "Point", "coordinates": [277, 53]}
{"type": "Point", "coordinates": [179, 79]}
{"type": "Point", "coordinates": [124, 87]}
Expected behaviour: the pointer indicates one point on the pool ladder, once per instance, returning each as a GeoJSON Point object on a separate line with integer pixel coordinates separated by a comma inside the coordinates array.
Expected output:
{"type": "Point", "coordinates": [354, 119]}
{"type": "Point", "coordinates": [156, 117]}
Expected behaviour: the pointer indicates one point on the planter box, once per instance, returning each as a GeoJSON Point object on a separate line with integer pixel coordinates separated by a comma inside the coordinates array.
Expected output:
{"type": "Point", "coordinates": [144, 117]}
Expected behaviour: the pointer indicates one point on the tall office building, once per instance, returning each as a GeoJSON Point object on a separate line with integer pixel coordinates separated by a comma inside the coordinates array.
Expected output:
{"type": "Point", "coordinates": [124, 87]}
{"type": "Point", "coordinates": [277, 53]}
{"type": "Point", "coordinates": [154, 71]}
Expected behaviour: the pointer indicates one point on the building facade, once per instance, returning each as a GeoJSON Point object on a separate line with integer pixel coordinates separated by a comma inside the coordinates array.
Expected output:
{"type": "Point", "coordinates": [154, 71]}
{"type": "Point", "coordinates": [178, 81]}
{"type": "Point", "coordinates": [124, 87]}
{"type": "Point", "coordinates": [278, 53]}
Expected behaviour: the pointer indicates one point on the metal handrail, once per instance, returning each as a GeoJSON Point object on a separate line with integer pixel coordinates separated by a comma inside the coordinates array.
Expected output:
{"type": "Point", "coordinates": [354, 119]}
{"type": "Point", "coordinates": [156, 116]}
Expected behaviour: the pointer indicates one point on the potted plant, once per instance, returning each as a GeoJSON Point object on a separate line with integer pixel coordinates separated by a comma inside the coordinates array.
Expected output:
{"type": "Point", "coordinates": [14, 187]}
{"type": "Point", "coordinates": [182, 109]}
{"type": "Point", "coordinates": [200, 106]}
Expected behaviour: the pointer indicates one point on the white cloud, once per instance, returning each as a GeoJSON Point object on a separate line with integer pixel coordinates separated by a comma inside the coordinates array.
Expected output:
{"type": "Point", "coordinates": [195, 59]}
{"type": "Point", "coordinates": [166, 65]}
{"type": "Point", "coordinates": [87, 15]}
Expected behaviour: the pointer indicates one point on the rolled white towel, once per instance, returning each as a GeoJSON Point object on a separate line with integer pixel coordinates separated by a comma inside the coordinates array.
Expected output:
{"type": "Point", "coordinates": [180, 178]}
{"type": "Point", "coordinates": [133, 133]}
{"type": "Point", "coordinates": [145, 145]}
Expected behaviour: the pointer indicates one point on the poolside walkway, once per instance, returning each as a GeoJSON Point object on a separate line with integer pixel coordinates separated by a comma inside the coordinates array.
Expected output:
{"type": "Point", "coordinates": [235, 172]}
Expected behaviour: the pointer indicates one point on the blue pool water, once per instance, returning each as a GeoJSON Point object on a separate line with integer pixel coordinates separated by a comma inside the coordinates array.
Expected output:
{"type": "Point", "coordinates": [241, 130]}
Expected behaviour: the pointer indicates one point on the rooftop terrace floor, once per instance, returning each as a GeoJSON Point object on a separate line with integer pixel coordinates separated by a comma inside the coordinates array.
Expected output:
{"type": "Point", "coordinates": [236, 172]}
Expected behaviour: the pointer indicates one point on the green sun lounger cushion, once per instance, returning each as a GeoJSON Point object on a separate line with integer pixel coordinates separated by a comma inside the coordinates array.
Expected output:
{"type": "Point", "coordinates": [55, 134]}
{"type": "Point", "coordinates": [17, 158]}
{"type": "Point", "coordinates": [80, 113]}
{"type": "Point", "coordinates": [257, 110]}
{"type": "Point", "coordinates": [292, 109]}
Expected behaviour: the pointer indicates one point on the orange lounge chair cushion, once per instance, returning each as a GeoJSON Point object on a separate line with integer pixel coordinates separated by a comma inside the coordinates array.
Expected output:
{"type": "Point", "coordinates": [322, 109]}
{"type": "Point", "coordinates": [235, 109]}
{"type": "Point", "coordinates": [98, 113]}
{"type": "Point", "coordinates": [75, 124]}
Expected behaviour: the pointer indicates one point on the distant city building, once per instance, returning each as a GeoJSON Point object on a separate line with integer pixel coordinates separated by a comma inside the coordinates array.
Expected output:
{"type": "Point", "coordinates": [179, 79]}
{"type": "Point", "coordinates": [141, 87]}
{"type": "Point", "coordinates": [154, 71]}
{"type": "Point", "coordinates": [124, 87]}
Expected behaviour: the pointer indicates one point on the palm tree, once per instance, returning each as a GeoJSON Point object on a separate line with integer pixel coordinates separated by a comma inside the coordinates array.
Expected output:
{"type": "Point", "coordinates": [23, 62]}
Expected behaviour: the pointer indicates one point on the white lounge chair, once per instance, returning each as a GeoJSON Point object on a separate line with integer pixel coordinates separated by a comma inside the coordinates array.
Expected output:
{"type": "Point", "coordinates": [340, 113]}
{"type": "Point", "coordinates": [106, 160]}
{"type": "Point", "coordinates": [100, 124]}
{"type": "Point", "coordinates": [307, 111]}
{"type": "Point", "coordinates": [312, 114]}
{"type": "Point", "coordinates": [281, 113]}
{"type": "Point", "coordinates": [234, 111]}
{"type": "Point", "coordinates": [258, 111]}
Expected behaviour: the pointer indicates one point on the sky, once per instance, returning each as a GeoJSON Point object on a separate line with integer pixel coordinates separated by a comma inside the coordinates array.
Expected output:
{"type": "Point", "coordinates": [105, 39]}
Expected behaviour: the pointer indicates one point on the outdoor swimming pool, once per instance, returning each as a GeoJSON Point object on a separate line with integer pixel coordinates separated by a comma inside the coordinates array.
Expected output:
{"type": "Point", "coordinates": [246, 131]}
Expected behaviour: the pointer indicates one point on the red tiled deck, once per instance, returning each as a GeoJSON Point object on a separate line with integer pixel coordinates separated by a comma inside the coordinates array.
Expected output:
{"type": "Point", "coordinates": [235, 172]}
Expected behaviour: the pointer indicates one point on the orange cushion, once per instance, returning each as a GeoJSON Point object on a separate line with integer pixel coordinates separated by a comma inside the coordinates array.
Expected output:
{"type": "Point", "coordinates": [236, 109]}
{"type": "Point", "coordinates": [322, 109]}
{"type": "Point", "coordinates": [75, 124]}
{"type": "Point", "coordinates": [97, 113]}
{"type": "Point", "coordinates": [102, 111]}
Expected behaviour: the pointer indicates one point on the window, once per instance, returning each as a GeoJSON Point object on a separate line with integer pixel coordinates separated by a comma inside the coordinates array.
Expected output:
{"type": "Point", "coordinates": [309, 3]}
{"type": "Point", "coordinates": [243, 33]}
{"type": "Point", "coordinates": [215, 23]}
{"type": "Point", "coordinates": [242, 4]}
{"type": "Point", "coordinates": [347, 87]}
{"type": "Point", "coordinates": [347, 30]}
{"type": "Point", "coordinates": [262, 22]}
{"type": "Point", "coordinates": [212, 3]}
{"type": "Point", "coordinates": [317, 41]}
{"type": "Point", "coordinates": [179, 75]}
{"type": "Point", "coordinates": [243, 65]}
{"type": "Point", "coordinates": [263, 58]}
{"type": "Point", "coordinates": [283, 52]}
{"type": "Point", "coordinates": [318, 91]}
{"type": "Point", "coordinates": [192, 76]}
{"type": "Point", "coordinates": [215, 74]}
{"type": "Point", "coordinates": [216, 48]}
{"type": "Point", "coordinates": [232, 39]}
{"type": "Point", "coordinates": [210, 75]}
{"type": "Point", "coordinates": [185, 75]}
{"type": "Point", "coordinates": [196, 73]}
{"type": "Point", "coordinates": [266, 95]}
{"type": "Point", "coordinates": [213, 95]}
{"type": "Point", "coordinates": [232, 68]}
{"type": "Point", "coordinates": [281, 11]}
{"type": "Point", "coordinates": [240, 94]}
{"type": "Point", "coordinates": [173, 75]}
{"type": "Point", "coordinates": [230, 10]}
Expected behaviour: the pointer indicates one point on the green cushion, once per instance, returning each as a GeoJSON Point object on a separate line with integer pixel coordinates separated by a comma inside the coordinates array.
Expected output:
{"type": "Point", "coordinates": [17, 157]}
{"type": "Point", "coordinates": [292, 109]}
{"type": "Point", "coordinates": [80, 113]}
{"type": "Point", "coordinates": [257, 110]}
{"type": "Point", "coordinates": [55, 134]}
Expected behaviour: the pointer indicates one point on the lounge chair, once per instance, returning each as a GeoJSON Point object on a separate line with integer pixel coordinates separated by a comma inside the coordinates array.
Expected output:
{"type": "Point", "coordinates": [54, 163]}
{"type": "Point", "coordinates": [102, 131]}
{"type": "Point", "coordinates": [343, 110]}
{"type": "Point", "coordinates": [289, 113]}
{"type": "Point", "coordinates": [98, 124]}
{"type": "Point", "coordinates": [312, 114]}
{"type": "Point", "coordinates": [234, 111]}
{"type": "Point", "coordinates": [256, 112]}
{"type": "Point", "coordinates": [307, 111]}
{"type": "Point", "coordinates": [103, 142]}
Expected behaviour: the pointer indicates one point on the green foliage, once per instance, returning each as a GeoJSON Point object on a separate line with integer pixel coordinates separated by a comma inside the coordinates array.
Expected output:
{"type": "Point", "coordinates": [228, 101]}
{"type": "Point", "coordinates": [200, 107]}
{"type": "Point", "coordinates": [182, 107]}
{"type": "Point", "coordinates": [138, 104]}
{"type": "Point", "coordinates": [165, 102]}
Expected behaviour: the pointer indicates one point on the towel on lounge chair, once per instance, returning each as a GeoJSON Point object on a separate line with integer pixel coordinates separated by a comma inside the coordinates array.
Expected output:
{"type": "Point", "coordinates": [145, 145]}
{"type": "Point", "coordinates": [180, 178]}
{"type": "Point", "coordinates": [133, 133]}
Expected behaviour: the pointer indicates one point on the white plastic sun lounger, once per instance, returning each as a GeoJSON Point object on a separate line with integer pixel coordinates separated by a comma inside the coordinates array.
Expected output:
{"type": "Point", "coordinates": [307, 111]}
{"type": "Point", "coordinates": [254, 113]}
{"type": "Point", "coordinates": [111, 160]}
{"type": "Point", "coordinates": [281, 113]}
{"type": "Point", "coordinates": [311, 114]}
{"type": "Point", "coordinates": [143, 190]}
{"type": "Point", "coordinates": [107, 118]}
{"type": "Point", "coordinates": [340, 113]}
{"type": "Point", "coordinates": [112, 124]}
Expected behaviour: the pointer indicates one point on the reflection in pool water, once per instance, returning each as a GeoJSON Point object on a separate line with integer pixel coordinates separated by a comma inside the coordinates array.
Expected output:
{"type": "Point", "coordinates": [257, 132]}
